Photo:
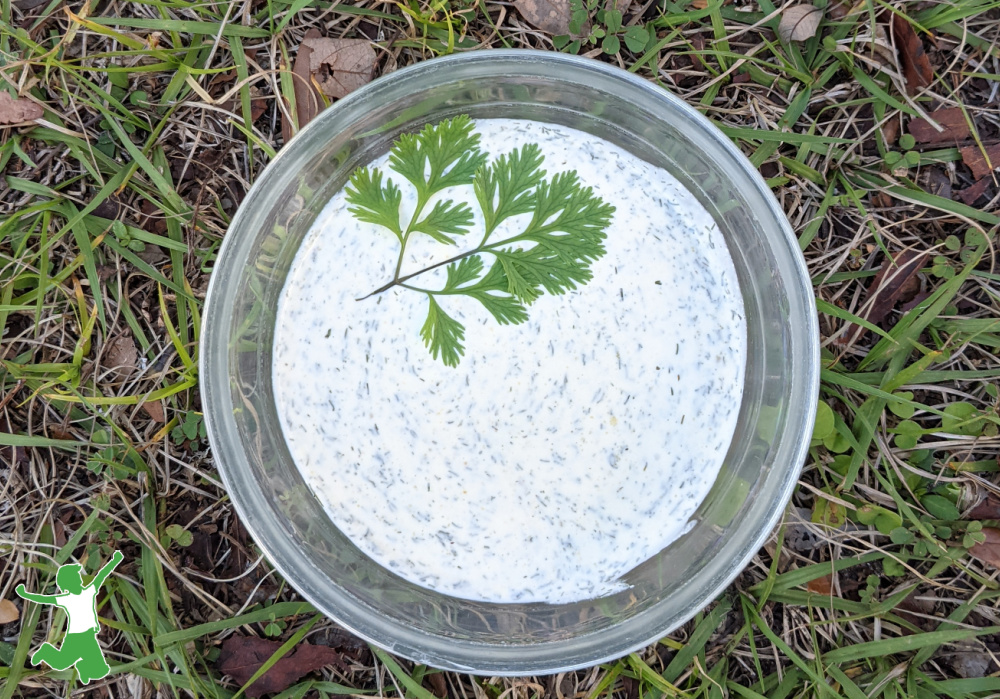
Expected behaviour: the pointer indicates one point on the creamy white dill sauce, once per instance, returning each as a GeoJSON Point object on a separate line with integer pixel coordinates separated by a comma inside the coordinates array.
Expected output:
{"type": "Point", "coordinates": [560, 453]}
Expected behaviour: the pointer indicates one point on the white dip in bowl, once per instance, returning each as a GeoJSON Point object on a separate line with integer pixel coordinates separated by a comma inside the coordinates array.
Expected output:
{"type": "Point", "coordinates": [561, 452]}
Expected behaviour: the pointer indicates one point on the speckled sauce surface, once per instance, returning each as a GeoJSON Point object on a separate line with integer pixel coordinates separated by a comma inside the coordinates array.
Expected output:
{"type": "Point", "coordinates": [561, 452]}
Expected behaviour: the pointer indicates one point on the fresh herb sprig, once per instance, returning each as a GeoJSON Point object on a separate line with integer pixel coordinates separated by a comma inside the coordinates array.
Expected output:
{"type": "Point", "coordinates": [552, 254]}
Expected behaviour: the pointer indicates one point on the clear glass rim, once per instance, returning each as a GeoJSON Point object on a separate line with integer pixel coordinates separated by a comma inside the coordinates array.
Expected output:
{"type": "Point", "coordinates": [552, 656]}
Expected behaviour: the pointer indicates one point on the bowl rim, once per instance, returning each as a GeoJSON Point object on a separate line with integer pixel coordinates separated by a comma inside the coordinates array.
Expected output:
{"type": "Point", "coordinates": [221, 434]}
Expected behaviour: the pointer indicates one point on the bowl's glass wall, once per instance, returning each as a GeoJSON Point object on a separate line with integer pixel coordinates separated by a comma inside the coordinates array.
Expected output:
{"type": "Point", "coordinates": [287, 520]}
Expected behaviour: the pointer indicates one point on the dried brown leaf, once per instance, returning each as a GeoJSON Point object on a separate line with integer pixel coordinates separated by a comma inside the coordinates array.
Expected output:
{"type": "Point", "coordinates": [109, 208]}
{"type": "Point", "coordinates": [551, 16]}
{"type": "Point", "coordinates": [122, 356]}
{"type": "Point", "coordinates": [890, 283]}
{"type": "Point", "coordinates": [17, 110]}
{"type": "Point", "coordinates": [890, 131]}
{"type": "Point", "coordinates": [242, 656]}
{"type": "Point", "coordinates": [799, 22]}
{"type": "Point", "coordinates": [340, 66]}
{"type": "Point", "coordinates": [8, 612]}
{"type": "Point", "coordinates": [916, 609]}
{"type": "Point", "coordinates": [698, 42]}
{"type": "Point", "coordinates": [971, 665]}
{"type": "Point", "coordinates": [821, 586]}
{"type": "Point", "coordinates": [970, 195]}
{"type": "Point", "coordinates": [987, 508]}
{"type": "Point", "coordinates": [258, 105]}
{"type": "Point", "coordinates": [883, 200]}
{"type": "Point", "coordinates": [154, 221]}
{"type": "Point", "coordinates": [886, 289]}
{"type": "Point", "coordinates": [873, 47]}
{"type": "Point", "coordinates": [952, 122]}
{"type": "Point", "coordinates": [936, 181]}
{"type": "Point", "coordinates": [438, 685]}
{"type": "Point", "coordinates": [153, 255]}
{"type": "Point", "coordinates": [838, 10]}
{"type": "Point", "coordinates": [988, 551]}
{"type": "Point", "coordinates": [308, 101]}
{"type": "Point", "coordinates": [59, 533]}
{"type": "Point", "coordinates": [11, 456]}
{"type": "Point", "coordinates": [155, 411]}
{"type": "Point", "coordinates": [916, 66]}
{"type": "Point", "coordinates": [973, 157]}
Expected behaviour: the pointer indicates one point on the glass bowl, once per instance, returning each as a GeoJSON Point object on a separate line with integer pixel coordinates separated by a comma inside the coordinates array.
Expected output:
{"type": "Point", "coordinates": [288, 522]}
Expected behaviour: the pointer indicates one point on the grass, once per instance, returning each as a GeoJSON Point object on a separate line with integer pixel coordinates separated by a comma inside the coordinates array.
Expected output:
{"type": "Point", "coordinates": [868, 589]}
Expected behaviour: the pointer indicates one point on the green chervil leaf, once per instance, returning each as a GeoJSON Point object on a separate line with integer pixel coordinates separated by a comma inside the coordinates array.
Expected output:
{"type": "Point", "coordinates": [442, 334]}
{"type": "Point", "coordinates": [506, 188]}
{"type": "Point", "coordinates": [491, 290]}
{"type": "Point", "coordinates": [371, 202]}
{"type": "Point", "coordinates": [552, 254]}
{"type": "Point", "coordinates": [445, 219]}
{"type": "Point", "coordinates": [440, 156]}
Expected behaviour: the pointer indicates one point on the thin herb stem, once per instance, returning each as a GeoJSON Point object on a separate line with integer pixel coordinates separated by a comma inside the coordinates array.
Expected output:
{"type": "Point", "coordinates": [421, 202]}
{"type": "Point", "coordinates": [399, 281]}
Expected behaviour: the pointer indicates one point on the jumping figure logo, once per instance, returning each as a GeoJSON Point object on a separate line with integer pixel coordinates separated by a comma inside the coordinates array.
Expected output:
{"type": "Point", "coordinates": [80, 646]}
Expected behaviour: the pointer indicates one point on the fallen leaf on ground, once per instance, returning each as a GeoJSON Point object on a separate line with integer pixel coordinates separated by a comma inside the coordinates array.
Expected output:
{"type": "Point", "coordinates": [153, 255]}
{"type": "Point", "coordinates": [17, 110]}
{"type": "Point", "coordinates": [8, 612]}
{"type": "Point", "coordinates": [109, 208]}
{"type": "Point", "coordinates": [974, 158]}
{"type": "Point", "coordinates": [551, 16]}
{"type": "Point", "coordinates": [242, 656]}
{"type": "Point", "coordinates": [699, 4]}
{"type": "Point", "coordinates": [799, 22]}
{"type": "Point", "coordinates": [916, 66]}
{"type": "Point", "coordinates": [821, 586]}
{"type": "Point", "coordinates": [59, 533]}
{"type": "Point", "coordinates": [698, 43]}
{"type": "Point", "coordinates": [937, 182]}
{"type": "Point", "coordinates": [953, 124]}
{"type": "Point", "coordinates": [341, 66]}
{"type": "Point", "coordinates": [438, 685]}
{"type": "Point", "coordinates": [890, 131]}
{"type": "Point", "coordinates": [258, 104]}
{"type": "Point", "coordinates": [838, 10]}
{"type": "Point", "coordinates": [308, 100]}
{"type": "Point", "coordinates": [915, 609]}
{"type": "Point", "coordinates": [122, 356]}
{"type": "Point", "coordinates": [971, 665]}
{"type": "Point", "coordinates": [155, 221]}
{"type": "Point", "coordinates": [155, 411]}
{"type": "Point", "coordinates": [221, 78]}
{"type": "Point", "coordinates": [874, 47]}
{"type": "Point", "coordinates": [970, 195]}
{"type": "Point", "coordinates": [988, 551]}
{"type": "Point", "coordinates": [882, 199]}
{"type": "Point", "coordinates": [987, 508]}
{"type": "Point", "coordinates": [344, 641]}
{"type": "Point", "coordinates": [886, 289]}
{"type": "Point", "coordinates": [60, 432]}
